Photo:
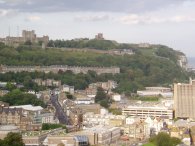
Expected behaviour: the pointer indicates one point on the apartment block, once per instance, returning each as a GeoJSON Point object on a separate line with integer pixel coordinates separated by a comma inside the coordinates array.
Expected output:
{"type": "Point", "coordinates": [184, 100]}
{"type": "Point", "coordinates": [148, 111]}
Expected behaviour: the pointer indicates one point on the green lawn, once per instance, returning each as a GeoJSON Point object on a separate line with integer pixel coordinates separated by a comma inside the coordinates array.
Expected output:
{"type": "Point", "coordinates": [148, 51]}
{"type": "Point", "coordinates": [149, 144]}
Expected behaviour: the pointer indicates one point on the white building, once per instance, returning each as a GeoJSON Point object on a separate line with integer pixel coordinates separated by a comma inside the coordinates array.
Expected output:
{"type": "Point", "coordinates": [28, 109]}
{"type": "Point", "coordinates": [100, 119]}
{"type": "Point", "coordinates": [132, 119]}
{"type": "Point", "coordinates": [104, 135]}
{"type": "Point", "coordinates": [84, 101]}
{"type": "Point", "coordinates": [67, 88]}
{"type": "Point", "coordinates": [148, 111]}
{"type": "Point", "coordinates": [116, 97]}
{"type": "Point", "coordinates": [156, 91]}
{"type": "Point", "coordinates": [48, 118]}
{"type": "Point", "coordinates": [154, 123]}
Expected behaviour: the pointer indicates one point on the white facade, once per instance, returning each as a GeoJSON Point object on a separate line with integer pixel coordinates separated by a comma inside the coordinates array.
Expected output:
{"type": "Point", "coordinates": [98, 119]}
{"type": "Point", "coordinates": [144, 112]}
{"type": "Point", "coordinates": [27, 109]}
{"type": "Point", "coordinates": [116, 97]}
{"type": "Point", "coordinates": [48, 118]}
{"type": "Point", "coordinates": [31, 92]}
{"type": "Point", "coordinates": [67, 88]}
{"type": "Point", "coordinates": [105, 134]}
{"type": "Point", "coordinates": [131, 120]}
{"type": "Point", "coordinates": [154, 124]}
{"type": "Point", "coordinates": [154, 93]}
{"type": "Point", "coordinates": [84, 101]}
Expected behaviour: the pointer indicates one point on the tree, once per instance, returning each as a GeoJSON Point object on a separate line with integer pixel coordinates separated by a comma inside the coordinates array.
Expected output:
{"type": "Point", "coordinates": [10, 86]}
{"type": "Point", "coordinates": [102, 98]}
{"type": "Point", "coordinates": [175, 141]}
{"type": "Point", "coordinates": [13, 139]}
{"type": "Point", "coordinates": [164, 139]}
{"type": "Point", "coordinates": [16, 97]}
{"type": "Point", "coordinates": [101, 95]}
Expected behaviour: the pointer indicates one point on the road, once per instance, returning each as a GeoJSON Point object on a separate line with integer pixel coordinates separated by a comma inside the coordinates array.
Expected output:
{"type": "Point", "coordinates": [61, 115]}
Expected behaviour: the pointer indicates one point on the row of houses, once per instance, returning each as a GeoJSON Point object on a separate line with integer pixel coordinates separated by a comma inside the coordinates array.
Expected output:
{"type": "Point", "coordinates": [57, 68]}
{"type": "Point", "coordinates": [27, 117]}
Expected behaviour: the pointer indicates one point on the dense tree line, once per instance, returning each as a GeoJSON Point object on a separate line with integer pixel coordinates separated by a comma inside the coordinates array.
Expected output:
{"type": "Point", "coordinates": [12, 139]}
{"type": "Point", "coordinates": [168, 53]}
{"type": "Point", "coordinates": [16, 97]}
{"type": "Point", "coordinates": [94, 43]}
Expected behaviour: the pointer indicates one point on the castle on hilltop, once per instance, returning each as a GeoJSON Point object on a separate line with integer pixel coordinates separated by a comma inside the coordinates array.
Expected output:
{"type": "Point", "coordinates": [26, 36]}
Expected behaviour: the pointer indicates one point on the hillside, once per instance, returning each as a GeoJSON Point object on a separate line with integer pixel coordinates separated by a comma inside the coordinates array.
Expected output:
{"type": "Point", "coordinates": [156, 65]}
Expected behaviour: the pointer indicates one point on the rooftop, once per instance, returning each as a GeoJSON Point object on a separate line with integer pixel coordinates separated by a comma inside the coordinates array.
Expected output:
{"type": "Point", "coordinates": [28, 107]}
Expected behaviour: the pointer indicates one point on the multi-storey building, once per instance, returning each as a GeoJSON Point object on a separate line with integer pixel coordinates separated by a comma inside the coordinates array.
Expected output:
{"type": "Point", "coordinates": [145, 111]}
{"type": "Point", "coordinates": [48, 82]}
{"type": "Point", "coordinates": [105, 85]}
{"type": "Point", "coordinates": [67, 88]}
{"type": "Point", "coordinates": [27, 117]}
{"type": "Point", "coordinates": [100, 119]}
{"type": "Point", "coordinates": [10, 116]}
{"type": "Point", "coordinates": [184, 100]}
{"type": "Point", "coordinates": [136, 130]}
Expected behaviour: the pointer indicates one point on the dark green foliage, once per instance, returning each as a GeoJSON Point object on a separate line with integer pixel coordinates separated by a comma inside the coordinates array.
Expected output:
{"type": "Point", "coordinates": [2, 45]}
{"type": "Point", "coordinates": [163, 139]}
{"type": "Point", "coordinates": [16, 97]}
{"type": "Point", "coordinates": [10, 86]}
{"type": "Point", "coordinates": [12, 139]}
{"type": "Point", "coordinates": [137, 71]}
{"type": "Point", "coordinates": [47, 126]}
{"type": "Point", "coordinates": [101, 95]}
{"type": "Point", "coordinates": [166, 52]}
{"type": "Point", "coordinates": [69, 96]}
{"type": "Point", "coordinates": [102, 98]}
{"type": "Point", "coordinates": [175, 141]}
{"type": "Point", "coordinates": [95, 44]}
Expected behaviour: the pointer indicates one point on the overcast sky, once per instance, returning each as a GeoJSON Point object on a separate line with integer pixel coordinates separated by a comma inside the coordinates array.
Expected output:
{"type": "Point", "coordinates": [168, 22]}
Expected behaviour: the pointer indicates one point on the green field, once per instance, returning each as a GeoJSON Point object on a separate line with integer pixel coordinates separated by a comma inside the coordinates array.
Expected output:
{"type": "Point", "coordinates": [149, 144]}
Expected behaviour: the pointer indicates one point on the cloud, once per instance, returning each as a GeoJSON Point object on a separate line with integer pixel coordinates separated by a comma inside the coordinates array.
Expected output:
{"type": "Point", "coordinates": [131, 6]}
{"type": "Point", "coordinates": [2, 1]}
{"type": "Point", "coordinates": [183, 18]}
{"type": "Point", "coordinates": [93, 18]}
{"type": "Point", "coordinates": [8, 13]}
{"type": "Point", "coordinates": [33, 18]}
{"type": "Point", "coordinates": [147, 19]}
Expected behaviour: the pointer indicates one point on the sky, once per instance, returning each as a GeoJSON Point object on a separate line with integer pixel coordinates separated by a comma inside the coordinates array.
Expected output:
{"type": "Point", "coordinates": [167, 22]}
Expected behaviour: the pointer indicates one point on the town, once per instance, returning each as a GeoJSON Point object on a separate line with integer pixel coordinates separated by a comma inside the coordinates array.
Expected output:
{"type": "Point", "coordinates": [47, 111]}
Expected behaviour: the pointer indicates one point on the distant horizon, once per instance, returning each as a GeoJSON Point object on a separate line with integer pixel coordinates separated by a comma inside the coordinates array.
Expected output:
{"type": "Point", "coordinates": [191, 61]}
